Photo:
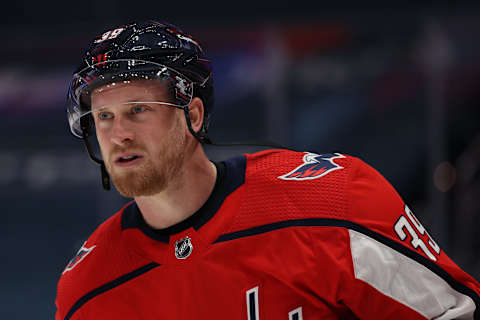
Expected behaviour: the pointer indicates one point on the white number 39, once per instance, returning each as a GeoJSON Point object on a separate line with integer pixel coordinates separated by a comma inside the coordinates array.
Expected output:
{"type": "Point", "coordinates": [403, 224]}
{"type": "Point", "coordinates": [112, 34]}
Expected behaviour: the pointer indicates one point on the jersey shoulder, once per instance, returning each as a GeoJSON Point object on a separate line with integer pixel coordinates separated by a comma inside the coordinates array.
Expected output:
{"type": "Point", "coordinates": [104, 237]}
{"type": "Point", "coordinates": [285, 185]}
{"type": "Point", "coordinates": [101, 258]}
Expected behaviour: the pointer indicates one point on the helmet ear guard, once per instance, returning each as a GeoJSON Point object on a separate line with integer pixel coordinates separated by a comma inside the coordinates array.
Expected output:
{"type": "Point", "coordinates": [86, 124]}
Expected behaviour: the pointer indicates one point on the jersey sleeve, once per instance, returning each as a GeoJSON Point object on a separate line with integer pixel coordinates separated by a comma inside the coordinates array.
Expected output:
{"type": "Point", "coordinates": [396, 265]}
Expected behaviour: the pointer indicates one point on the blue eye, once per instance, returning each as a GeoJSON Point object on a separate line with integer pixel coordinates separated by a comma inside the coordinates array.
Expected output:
{"type": "Point", "coordinates": [104, 115]}
{"type": "Point", "coordinates": [138, 109]}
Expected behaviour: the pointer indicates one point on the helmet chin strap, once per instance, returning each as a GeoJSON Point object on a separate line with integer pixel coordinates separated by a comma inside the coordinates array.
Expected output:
{"type": "Point", "coordinates": [105, 177]}
{"type": "Point", "coordinates": [202, 137]}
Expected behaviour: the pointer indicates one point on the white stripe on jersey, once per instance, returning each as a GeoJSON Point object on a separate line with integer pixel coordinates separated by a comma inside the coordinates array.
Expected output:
{"type": "Point", "coordinates": [407, 281]}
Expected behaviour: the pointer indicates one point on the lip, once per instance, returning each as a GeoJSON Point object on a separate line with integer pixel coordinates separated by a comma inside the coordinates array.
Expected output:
{"type": "Point", "coordinates": [128, 163]}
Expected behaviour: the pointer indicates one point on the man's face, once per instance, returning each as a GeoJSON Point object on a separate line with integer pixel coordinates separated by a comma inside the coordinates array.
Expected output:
{"type": "Point", "coordinates": [142, 144]}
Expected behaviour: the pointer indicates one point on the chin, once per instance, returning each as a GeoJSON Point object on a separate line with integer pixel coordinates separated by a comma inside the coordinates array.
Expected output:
{"type": "Point", "coordinates": [138, 183]}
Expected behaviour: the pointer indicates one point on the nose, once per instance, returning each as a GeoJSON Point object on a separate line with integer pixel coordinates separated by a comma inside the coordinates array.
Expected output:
{"type": "Point", "coordinates": [122, 131]}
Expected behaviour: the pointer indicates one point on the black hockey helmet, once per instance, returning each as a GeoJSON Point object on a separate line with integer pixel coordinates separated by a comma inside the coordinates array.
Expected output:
{"type": "Point", "coordinates": [150, 50]}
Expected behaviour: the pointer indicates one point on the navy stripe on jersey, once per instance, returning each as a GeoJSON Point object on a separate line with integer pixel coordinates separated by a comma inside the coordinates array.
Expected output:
{"type": "Point", "coordinates": [230, 176]}
{"type": "Point", "coordinates": [319, 222]}
{"type": "Point", "coordinates": [108, 286]}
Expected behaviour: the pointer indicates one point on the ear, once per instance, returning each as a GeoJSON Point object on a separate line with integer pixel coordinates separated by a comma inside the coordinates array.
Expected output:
{"type": "Point", "coordinates": [196, 111]}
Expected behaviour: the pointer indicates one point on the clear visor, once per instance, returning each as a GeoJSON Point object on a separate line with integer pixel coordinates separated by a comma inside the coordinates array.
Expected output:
{"type": "Point", "coordinates": [123, 71]}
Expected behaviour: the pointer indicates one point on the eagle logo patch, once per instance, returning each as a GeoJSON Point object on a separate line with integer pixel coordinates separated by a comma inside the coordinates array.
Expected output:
{"type": "Point", "coordinates": [81, 254]}
{"type": "Point", "coordinates": [314, 166]}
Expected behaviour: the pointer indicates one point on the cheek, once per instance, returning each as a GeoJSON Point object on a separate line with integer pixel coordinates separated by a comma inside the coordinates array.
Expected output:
{"type": "Point", "coordinates": [102, 126]}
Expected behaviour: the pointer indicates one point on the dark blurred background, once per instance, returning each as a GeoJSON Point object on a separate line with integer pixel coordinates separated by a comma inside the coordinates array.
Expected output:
{"type": "Point", "coordinates": [396, 84]}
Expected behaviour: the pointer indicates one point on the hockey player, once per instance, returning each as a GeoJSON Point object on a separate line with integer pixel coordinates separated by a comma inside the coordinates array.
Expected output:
{"type": "Point", "coordinates": [272, 235]}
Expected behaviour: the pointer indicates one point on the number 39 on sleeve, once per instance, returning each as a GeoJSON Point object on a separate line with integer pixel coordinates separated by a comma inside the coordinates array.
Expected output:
{"type": "Point", "coordinates": [413, 227]}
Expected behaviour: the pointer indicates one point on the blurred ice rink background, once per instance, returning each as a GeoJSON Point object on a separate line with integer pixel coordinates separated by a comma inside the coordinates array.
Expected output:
{"type": "Point", "coordinates": [396, 84]}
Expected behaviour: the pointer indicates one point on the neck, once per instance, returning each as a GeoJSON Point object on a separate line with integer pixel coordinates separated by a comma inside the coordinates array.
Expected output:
{"type": "Point", "coordinates": [182, 197]}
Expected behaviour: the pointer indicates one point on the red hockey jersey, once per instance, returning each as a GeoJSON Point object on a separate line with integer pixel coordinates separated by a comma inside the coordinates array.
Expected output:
{"type": "Point", "coordinates": [284, 235]}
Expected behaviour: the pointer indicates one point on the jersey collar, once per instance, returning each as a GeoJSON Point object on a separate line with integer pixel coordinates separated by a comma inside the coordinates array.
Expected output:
{"type": "Point", "coordinates": [230, 176]}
